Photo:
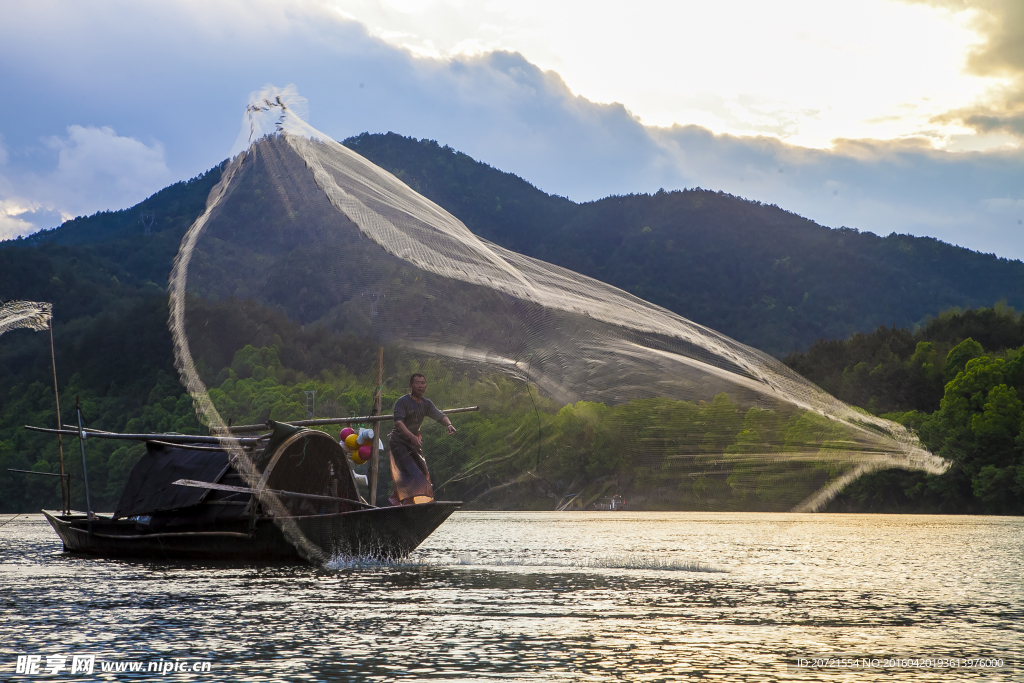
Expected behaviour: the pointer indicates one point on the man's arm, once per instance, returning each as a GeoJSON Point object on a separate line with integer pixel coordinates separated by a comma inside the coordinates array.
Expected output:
{"type": "Point", "coordinates": [438, 416]}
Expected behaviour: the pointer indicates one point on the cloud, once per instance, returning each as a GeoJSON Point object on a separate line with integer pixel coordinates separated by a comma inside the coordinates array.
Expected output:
{"type": "Point", "coordinates": [16, 220]}
{"type": "Point", "coordinates": [1002, 24]}
{"type": "Point", "coordinates": [12, 224]}
{"type": "Point", "coordinates": [96, 169]}
{"type": "Point", "coordinates": [1000, 56]}
{"type": "Point", "coordinates": [93, 160]}
{"type": "Point", "coordinates": [181, 73]}
{"type": "Point", "coordinates": [993, 120]}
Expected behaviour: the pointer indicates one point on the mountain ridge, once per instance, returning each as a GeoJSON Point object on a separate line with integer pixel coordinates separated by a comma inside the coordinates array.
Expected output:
{"type": "Point", "coordinates": [756, 272]}
{"type": "Point", "coordinates": [719, 260]}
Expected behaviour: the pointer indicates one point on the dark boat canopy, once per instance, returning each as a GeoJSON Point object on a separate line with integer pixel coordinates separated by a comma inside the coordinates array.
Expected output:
{"type": "Point", "coordinates": [150, 488]}
{"type": "Point", "coordinates": [307, 464]}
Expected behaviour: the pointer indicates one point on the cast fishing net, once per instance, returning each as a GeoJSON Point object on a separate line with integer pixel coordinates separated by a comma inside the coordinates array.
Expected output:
{"type": "Point", "coordinates": [309, 258]}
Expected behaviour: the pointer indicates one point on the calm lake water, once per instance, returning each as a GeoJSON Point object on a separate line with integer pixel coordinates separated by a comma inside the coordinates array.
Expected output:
{"type": "Point", "coordinates": [546, 596]}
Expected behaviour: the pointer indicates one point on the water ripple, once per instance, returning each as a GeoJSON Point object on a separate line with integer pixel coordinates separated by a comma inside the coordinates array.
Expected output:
{"type": "Point", "coordinates": [570, 596]}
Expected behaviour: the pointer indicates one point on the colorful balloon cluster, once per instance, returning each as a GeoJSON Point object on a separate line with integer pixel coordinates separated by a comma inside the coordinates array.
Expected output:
{"type": "Point", "coordinates": [358, 444]}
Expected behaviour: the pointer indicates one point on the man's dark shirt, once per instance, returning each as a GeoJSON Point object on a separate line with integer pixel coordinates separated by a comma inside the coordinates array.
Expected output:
{"type": "Point", "coordinates": [411, 414]}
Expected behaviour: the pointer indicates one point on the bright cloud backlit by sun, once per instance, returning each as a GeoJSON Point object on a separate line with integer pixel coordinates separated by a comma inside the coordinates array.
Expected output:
{"type": "Point", "coordinates": [880, 115]}
{"type": "Point", "coordinates": [806, 71]}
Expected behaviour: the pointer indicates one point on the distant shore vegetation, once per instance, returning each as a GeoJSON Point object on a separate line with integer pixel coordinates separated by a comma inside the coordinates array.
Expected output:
{"type": "Point", "coordinates": [523, 451]}
{"type": "Point", "coordinates": [958, 381]}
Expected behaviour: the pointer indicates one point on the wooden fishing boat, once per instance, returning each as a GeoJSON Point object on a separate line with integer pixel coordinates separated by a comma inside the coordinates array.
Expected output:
{"type": "Point", "coordinates": [187, 498]}
{"type": "Point", "coordinates": [383, 534]}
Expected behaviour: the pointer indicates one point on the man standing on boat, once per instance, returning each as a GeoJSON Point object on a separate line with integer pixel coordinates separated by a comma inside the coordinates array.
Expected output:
{"type": "Point", "coordinates": [408, 468]}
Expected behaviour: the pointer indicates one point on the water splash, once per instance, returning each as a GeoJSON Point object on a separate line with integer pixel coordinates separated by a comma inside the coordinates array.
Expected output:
{"type": "Point", "coordinates": [623, 561]}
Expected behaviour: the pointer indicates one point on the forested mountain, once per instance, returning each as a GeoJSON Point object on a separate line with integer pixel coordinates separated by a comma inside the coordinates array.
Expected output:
{"type": "Point", "coordinates": [760, 274]}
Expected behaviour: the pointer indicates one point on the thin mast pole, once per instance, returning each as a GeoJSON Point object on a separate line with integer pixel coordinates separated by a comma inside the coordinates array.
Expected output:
{"type": "Point", "coordinates": [65, 495]}
{"type": "Point", "coordinates": [375, 453]}
{"type": "Point", "coordinates": [85, 471]}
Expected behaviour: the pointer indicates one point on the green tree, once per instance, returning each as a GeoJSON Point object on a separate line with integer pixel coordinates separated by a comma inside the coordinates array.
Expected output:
{"type": "Point", "coordinates": [958, 357]}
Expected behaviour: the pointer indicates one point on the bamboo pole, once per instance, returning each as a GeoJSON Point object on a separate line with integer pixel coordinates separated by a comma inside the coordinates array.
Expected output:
{"type": "Point", "coordinates": [65, 489]}
{"type": "Point", "coordinates": [44, 474]}
{"type": "Point", "coordinates": [375, 454]}
{"type": "Point", "coordinates": [85, 470]}
{"type": "Point", "coordinates": [282, 494]}
{"type": "Point", "coordinates": [341, 420]}
{"type": "Point", "coordinates": [170, 438]}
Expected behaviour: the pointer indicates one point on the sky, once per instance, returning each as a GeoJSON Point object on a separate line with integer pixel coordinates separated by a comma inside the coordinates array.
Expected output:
{"type": "Point", "coordinates": [882, 115]}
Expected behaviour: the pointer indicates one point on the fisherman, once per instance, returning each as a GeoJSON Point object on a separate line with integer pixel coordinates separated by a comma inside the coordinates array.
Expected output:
{"type": "Point", "coordinates": [408, 468]}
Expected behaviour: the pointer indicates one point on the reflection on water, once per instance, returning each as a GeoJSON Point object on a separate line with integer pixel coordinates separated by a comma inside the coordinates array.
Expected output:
{"type": "Point", "coordinates": [546, 596]}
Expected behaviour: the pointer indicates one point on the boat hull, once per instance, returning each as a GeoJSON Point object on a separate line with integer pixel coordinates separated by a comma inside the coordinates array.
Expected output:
{"type": "Point", "coordinates": [386, 533]}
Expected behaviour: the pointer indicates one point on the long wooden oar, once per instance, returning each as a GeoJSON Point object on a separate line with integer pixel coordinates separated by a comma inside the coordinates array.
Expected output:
{"type": "Point", "coordinates": [283, 494]}
{"type": "Point", "coordinates": [170, 438]}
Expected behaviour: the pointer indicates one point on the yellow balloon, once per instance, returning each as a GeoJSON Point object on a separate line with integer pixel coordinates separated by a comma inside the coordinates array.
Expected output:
{"type": "Point", "coordinates": [356, 459]}
{"type": "Point", "coordinates": [351, 440]}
